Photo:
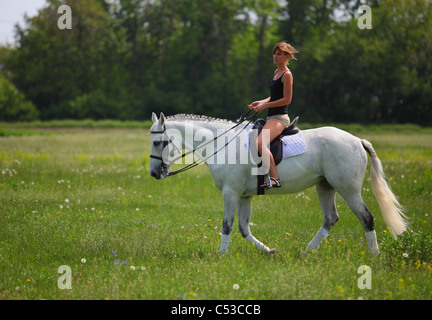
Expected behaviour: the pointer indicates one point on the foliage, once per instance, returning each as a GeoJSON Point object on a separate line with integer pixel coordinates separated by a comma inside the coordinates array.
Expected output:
{"type": "Point", "coordinates": [412, 246]}
{"type": "Point", "coordinates": [13, 104]}
{"type": "Point", "coordinates": [126, 59]}
{"type": "Point", "coordinates": [350, 74]}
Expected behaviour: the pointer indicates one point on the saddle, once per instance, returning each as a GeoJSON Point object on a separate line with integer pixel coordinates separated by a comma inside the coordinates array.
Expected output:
{"type": "Point", "coordinates": [276, 146]}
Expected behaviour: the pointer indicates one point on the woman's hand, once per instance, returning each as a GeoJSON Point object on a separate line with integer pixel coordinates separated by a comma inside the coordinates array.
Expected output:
{"type": "Point", "coordinates": [257, 106]}
{"type": "Point", "coordinates": [253, 105]}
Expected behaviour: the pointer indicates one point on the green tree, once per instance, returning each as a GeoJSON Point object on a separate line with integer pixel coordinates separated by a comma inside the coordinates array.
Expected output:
{"type": "Point", "coordinates": [183, 54]}
{"type": "Point", "coordinates": [54, 66]}
{"type": "Point", "coordinates": [13, 104]}
{"type": "Point", "coordinates": [346, 74]}
{"type": "Point", "coordinates": [126, 58]}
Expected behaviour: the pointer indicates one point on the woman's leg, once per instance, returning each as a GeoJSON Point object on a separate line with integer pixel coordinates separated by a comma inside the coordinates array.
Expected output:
{"type": "Point", "coordinates": [275, 128]}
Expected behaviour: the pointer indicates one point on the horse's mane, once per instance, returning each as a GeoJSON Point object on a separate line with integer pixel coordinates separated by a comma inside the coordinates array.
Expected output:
{"type": "Point", "coordinates": [195, 117]}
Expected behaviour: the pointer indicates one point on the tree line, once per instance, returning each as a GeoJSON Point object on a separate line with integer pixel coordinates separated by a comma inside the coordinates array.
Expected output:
{"type": "Point", "coordinates": [124, 59]}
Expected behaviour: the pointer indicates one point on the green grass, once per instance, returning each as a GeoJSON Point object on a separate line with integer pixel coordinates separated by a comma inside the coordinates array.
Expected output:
{"type": "Point", "coordinates": [73, 194]}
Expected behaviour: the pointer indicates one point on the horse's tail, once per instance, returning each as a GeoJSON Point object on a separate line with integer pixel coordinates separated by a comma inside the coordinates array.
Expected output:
{"type": "Point", "coordinates": [391, 210]}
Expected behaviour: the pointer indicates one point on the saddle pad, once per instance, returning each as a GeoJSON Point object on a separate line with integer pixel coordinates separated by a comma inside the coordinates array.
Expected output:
{"type": "Point", "coordinates": [293, 145]}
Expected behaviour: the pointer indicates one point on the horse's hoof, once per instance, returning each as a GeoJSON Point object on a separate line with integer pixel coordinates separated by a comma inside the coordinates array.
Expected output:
{"type": "Point", "coordinates": [272, 251]}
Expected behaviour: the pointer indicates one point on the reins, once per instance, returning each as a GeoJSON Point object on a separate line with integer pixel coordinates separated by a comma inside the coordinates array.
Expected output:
{"type": "Point", "coordinates": [245, 116]}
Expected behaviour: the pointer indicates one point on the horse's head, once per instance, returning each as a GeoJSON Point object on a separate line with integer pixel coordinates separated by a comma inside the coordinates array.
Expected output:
{"type": "Point", "coordinates": [159, 140]}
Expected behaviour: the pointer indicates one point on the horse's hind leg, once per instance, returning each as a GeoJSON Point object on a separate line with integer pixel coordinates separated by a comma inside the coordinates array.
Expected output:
{"type": "Point", "coordinates": [244, 214]}
{"type": "Point", "coordinates": [326, 197]}
{"type": "Point", "coordinates": [357, 205]}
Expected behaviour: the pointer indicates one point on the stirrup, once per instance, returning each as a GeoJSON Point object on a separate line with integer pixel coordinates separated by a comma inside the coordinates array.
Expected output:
{"type": "Point", "coordinates": [269, 183]}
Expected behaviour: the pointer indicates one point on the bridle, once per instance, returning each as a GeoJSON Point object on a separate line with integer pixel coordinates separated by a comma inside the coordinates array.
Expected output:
{"type": "Point", "coordinates": [165, 143]}
{"type": "Point", "coordinates": [244, 117]}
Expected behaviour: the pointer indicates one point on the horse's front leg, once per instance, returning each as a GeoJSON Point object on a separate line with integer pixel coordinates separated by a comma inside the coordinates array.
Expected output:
{"type": "Point", "coordinates": [230, 201]}
{"type": "Point", "coordinates": [245, 212]}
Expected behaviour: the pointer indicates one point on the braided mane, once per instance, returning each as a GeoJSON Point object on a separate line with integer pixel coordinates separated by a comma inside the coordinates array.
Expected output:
{"type": "Point", "coordinates": [194, 117]}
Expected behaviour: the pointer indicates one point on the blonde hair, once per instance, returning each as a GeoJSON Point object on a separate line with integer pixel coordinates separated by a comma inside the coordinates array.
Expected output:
{"type": "Point", "coordinates": [287, 49]}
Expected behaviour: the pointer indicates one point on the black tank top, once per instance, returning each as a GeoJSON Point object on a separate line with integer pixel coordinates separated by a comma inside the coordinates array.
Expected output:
{"type": "Point", "coordinates": [276, 93]}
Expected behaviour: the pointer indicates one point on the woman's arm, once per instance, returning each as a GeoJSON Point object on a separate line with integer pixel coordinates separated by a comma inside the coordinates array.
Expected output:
{"type": "Point", "coordinates": [261, 105]}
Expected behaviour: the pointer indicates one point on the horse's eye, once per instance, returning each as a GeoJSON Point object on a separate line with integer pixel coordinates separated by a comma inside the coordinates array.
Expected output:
{"type": "Point", "coordinates": [156, 143]}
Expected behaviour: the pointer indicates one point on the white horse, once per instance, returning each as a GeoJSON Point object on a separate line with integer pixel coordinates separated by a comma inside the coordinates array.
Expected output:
{"type": "Point", "coordinates": [334, 161]}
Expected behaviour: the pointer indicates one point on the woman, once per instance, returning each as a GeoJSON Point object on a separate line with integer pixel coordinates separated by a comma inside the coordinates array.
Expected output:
{"type": "Point", "coordinates": [277, 105]}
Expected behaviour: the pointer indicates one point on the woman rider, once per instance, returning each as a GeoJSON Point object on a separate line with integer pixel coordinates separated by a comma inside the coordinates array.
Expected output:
{"type": "Point", "coordinates": [277, 105]}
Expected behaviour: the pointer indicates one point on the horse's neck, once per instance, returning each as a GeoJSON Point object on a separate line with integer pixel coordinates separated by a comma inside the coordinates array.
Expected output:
{"type": "Point", "coordinates": [191, 133]}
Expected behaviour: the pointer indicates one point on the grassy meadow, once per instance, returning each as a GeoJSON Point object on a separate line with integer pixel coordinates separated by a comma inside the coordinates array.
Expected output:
{"type": "Point", "coordinates": [83, 198]}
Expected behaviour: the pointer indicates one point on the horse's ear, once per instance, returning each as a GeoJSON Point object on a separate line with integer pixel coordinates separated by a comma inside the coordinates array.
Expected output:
{"type": "Point", "coordinates": [161, 120]}
{"type": "Point", "coordinates": [155, 122]}
{"type": "Point", "coordinates": [154, 117]}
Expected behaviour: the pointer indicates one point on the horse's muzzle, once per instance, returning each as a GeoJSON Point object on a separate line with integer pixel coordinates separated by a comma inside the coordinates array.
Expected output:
{"type": "Point", "coordinates": [160, 172]}
{"type": "Point", "coordinates": [156, 173]}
